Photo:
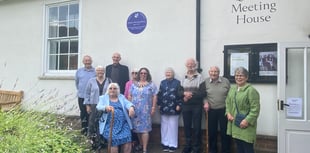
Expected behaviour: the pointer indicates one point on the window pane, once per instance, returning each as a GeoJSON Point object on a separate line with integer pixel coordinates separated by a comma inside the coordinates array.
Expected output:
{"type": "Point", "coordinates": [53, 47]}
{"type": "Point", "coordinates": [73, 62]}
{"type": "Point", "coordinates": [63, 13]}
{"type": "Point", "coordinates": [63, 31]}
{"type": "Point", "coordinates": [74, 11]}
{"type": "Point", "coordinates": [53, 60]}
{"type": "Point", "coordinates": [74, 46]}
{"type": "Point", "coordinates": [53, 14]}
{"type": "Point", "coordinates": [64, 45]}
{"type": "Point", "coordinates": [73, 28]}
{"type": "Point", "coordinates": [63, 63]}
{"type": "Point", "coordinates": [53, 29]}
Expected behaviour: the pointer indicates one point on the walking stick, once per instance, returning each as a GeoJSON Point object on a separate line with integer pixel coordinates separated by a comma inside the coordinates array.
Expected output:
{"type": "Point", "coordinates": [111, 128]}
{"type": "Point", "coordinates": [207, 133]}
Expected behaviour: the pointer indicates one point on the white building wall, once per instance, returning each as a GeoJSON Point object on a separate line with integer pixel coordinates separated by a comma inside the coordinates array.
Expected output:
{"type": "Point", "coordinates": [289, 22]}
{"type": "Point", "coordinates": [168, 40]}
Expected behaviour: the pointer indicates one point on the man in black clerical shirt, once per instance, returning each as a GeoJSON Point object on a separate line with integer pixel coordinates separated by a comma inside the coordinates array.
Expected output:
{"type": "Point", "coordinates": [117, 72]}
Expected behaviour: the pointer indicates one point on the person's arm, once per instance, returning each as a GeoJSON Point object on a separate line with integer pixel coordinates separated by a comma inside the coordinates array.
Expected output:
{"type": "Point", "coordinates": [154, 101]}
{"type": "Point", "coordinates": [254, 102]}
{"type": "Point", "coordinates": [77, 80]}
{"type": "Point", "coordinates": [201, 92]}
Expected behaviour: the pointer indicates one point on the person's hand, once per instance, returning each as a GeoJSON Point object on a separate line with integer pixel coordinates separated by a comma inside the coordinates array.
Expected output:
{"type": "Point", "coordinates": [153, 110]}
{"type": "Point", "coordinates": [131, 112]}
{"type": "Point", "coordinates": [188, 94]}
{"type": "Point", "coordinates": [206, 106]}
{"type": "Point", "coordinates": [88, 109]}
{"type": "Point", "coordinates": [178, 108]}
{"type": "Point", "coordinates": [229, 117]}
{"type": "Point", "coordinates": [109, 108]}
{"type": "Point", "coordinates": [244, 124]}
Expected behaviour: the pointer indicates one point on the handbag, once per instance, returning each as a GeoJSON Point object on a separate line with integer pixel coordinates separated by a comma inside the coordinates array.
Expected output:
{"type": "Point", "coordinates": [239, 117]}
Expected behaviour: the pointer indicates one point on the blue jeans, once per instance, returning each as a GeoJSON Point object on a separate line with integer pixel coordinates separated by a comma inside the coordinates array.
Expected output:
{"type": "Point", "coordinates": [193, 117]}
{"type": "Point", "coordinates": [218, 120]}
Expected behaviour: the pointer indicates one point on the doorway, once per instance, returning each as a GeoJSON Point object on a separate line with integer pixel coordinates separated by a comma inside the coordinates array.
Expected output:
{"type": "Point", "coordinates": [293, 97]}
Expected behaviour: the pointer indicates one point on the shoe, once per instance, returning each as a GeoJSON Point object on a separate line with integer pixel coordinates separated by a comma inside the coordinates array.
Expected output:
{"type": "Point", "coordinates": [138, 148]}
{"type": "Point", "coordinates": [144, 152]}
{"type": "Point", "coordinates": [172, 149]}
{"type": "Point", "coordinates": [187, 150]}
{"type": "Point", "coordinates": [165, 148]}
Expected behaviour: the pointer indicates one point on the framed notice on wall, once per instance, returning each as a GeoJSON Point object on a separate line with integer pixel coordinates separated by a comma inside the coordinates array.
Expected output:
{"type": "Point", "coordinates": [259, 59]}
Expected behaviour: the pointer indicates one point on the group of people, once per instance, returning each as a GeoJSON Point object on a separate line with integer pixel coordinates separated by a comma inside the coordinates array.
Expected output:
{"type": "Point", "coordinates": [134, 102]}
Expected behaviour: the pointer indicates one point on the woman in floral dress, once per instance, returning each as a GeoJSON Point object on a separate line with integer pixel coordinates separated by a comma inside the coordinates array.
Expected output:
{"type": "Point", "coordinates": [143, 95]}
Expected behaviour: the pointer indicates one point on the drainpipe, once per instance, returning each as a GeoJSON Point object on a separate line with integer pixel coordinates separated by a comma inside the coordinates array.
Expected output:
{"type": "Point", "coordinates": [198, 35]}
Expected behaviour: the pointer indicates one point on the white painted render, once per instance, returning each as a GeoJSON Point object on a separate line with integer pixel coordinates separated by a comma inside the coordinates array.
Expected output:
{"type": "Point", "coordinates": [168, 40]}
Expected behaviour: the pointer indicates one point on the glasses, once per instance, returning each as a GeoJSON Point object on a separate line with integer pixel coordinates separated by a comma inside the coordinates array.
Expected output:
{"type": "Point", "coordinates": [143, 73]}
{"type": "Point", "coordinates": [112, 88]}
{"type": "Point", "coordinates": [239, 76]}
{"type": "Point", "coordinates": [134, 72]}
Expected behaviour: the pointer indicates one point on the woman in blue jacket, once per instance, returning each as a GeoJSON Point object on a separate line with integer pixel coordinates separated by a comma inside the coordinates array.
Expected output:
{"type": "Point", "coordinates": [123, 110]}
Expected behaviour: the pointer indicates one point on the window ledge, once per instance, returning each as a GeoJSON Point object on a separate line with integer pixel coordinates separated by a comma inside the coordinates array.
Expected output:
{"type": "Point", "coordinates": [56, 77]}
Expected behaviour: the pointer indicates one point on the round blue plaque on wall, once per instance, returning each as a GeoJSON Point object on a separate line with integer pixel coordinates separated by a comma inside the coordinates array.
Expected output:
{"type": "Point", "coordinates": [136, 22]}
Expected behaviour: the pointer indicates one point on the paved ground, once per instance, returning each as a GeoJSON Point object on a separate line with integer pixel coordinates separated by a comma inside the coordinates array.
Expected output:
{"type": "Point", "coordinates": [153, 148]}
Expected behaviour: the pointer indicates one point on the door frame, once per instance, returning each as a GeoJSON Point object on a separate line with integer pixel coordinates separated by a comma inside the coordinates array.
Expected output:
{"type": "Point", "coordinates": [281, 95]}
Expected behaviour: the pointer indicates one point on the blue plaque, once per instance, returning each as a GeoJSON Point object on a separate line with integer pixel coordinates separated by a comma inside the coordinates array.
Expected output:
{"type": "Point", "coordinates": [136, 22]}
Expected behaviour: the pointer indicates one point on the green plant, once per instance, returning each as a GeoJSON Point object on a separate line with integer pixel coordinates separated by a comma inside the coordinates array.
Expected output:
{"type": "Point", "coordinates": [30, 131]}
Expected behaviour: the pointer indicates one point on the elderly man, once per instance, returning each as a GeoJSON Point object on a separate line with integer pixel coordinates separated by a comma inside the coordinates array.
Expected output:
{"type": "Point", "coordinates": [82, 76]}
{"type": "Point", "coordinates": [194, 93]}
{"type": "Point", "coordinates": [117, 72]}
{"type": "Point", "coordinates": [217, 89]}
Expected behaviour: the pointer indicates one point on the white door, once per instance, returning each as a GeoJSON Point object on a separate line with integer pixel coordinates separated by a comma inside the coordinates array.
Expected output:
{"type": "Point", "coordinates": [293, 98]}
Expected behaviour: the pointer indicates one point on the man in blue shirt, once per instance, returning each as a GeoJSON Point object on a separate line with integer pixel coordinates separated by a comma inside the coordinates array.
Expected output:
{"type": "Point", "coordinates": [81, 78]}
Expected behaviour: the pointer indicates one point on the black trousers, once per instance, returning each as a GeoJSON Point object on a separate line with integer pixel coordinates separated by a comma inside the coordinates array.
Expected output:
{"type": "Point", "coordinates": [193, 117]}
{"type": "Point", "coordinates": [218, 121]}
{"type": "Point", "coordinates": [244, 147]}
{"type": "Point", "coordinates": [83, 115]}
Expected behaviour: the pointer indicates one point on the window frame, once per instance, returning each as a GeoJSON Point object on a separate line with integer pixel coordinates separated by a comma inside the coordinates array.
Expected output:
{"type": "Point", "coordinates": [47, 71]}
{"type": "Point", "coordinates": [253, 51]}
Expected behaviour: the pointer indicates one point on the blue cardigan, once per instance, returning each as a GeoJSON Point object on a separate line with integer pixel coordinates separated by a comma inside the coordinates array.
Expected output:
{"type": "Point", "coordinates": [104, 101]}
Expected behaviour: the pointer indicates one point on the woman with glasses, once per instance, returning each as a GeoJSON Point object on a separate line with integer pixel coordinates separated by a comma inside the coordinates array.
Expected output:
{"type": "Point", "coordinates": [243, 99]}
{"type": "Point", "coordinates": [142, 94]}
{"type": "Point", "coordinates": [134, 75]}
{"type": "Point", "coordinates": [123, 110]}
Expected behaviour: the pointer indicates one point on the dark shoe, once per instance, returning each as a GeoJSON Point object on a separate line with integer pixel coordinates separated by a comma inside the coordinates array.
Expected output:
{"type": "Point", "coordinates": [165, 148]}
{"type": "Point", "coordinates": [172, 149]}
{"type": "Point", "coordinates": [196, 151]}
{"type": "Point", "coordinates": [187, 150]}
{"type": "Point", "coordinates": [138, 148]}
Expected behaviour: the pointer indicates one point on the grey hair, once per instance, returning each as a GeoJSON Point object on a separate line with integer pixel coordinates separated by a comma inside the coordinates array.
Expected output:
{"type": "Point", "coordinates": [117, 88]}
{"type": "Point", "coordinates": [170, 69]}
{"type": "Point", "coordinates": [195, 61]}
{"type": "Point", "coordinates": [242, 70]}
{"type": "Point", "coordinates": [99, 67]}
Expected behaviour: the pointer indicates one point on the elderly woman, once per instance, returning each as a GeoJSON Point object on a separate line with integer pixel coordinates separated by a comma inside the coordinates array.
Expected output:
{"type": "Point", "coordinates": [170, 101]}
{"type": "Point", "coordinates": [243, 99]}
{"type": "Point", "coordinates": [143, 95]}
{"type": "Point", "coordinates": [123, 110]}
{"type": "Point", "coordinates": [95, 87]}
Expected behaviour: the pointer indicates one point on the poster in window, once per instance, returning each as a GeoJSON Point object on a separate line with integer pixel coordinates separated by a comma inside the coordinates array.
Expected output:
{"type": "Point", "coordinates": [268, 63]}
